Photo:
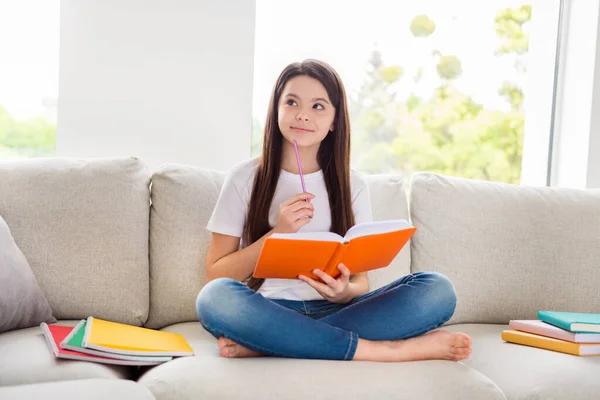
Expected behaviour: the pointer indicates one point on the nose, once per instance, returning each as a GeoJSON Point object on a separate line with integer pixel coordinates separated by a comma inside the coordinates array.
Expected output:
{"type": "Point", "coordinates": [302, 117]}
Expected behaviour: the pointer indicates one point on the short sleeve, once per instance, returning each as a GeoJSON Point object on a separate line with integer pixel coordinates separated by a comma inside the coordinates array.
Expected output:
{"type": "Point", "coordinates": [361, 203]}
{"type": "Point", "coordinates": [229, 214]}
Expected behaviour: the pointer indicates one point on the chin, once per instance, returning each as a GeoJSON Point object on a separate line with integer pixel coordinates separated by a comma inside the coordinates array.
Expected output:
{"type": "Point", "coordinates": [303, 140]}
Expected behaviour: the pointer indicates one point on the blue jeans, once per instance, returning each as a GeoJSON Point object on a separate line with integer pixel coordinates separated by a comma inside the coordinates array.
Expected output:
{"type": "Point", "coordinates": [319, 329]}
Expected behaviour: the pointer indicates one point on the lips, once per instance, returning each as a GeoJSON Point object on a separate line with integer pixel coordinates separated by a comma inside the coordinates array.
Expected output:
{"type": "Point", "coordinates": [301, 129]}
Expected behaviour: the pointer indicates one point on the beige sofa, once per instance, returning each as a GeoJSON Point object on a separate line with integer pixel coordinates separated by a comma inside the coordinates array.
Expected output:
{"type": "Point", "coordinates": [111, 239]}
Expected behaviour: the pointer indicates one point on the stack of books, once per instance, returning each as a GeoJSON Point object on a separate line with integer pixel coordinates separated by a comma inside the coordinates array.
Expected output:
{"type": "Point", "coordinates": [565, 332]}
{"type": "Point", "coordinates": [107, 342]}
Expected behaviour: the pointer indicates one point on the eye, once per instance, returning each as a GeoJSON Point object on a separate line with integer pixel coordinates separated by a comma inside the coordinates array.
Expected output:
{"type": "Point", "coordinates": [319, 106]}
{"type": "Point", "coordinates": [291, 102]}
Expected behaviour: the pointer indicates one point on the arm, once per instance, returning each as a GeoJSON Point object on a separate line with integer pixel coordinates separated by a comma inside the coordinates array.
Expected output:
{"type": "Point", "coordinates": [225, 261]}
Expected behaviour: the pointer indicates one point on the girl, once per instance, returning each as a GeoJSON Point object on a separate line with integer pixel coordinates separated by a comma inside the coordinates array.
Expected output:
{"type": "Point", "coordinates": [336, 319]}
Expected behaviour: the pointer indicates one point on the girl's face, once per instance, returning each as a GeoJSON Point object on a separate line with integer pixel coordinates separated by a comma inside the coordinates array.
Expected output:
{"type": "Point", "coordinates": [305, 111]}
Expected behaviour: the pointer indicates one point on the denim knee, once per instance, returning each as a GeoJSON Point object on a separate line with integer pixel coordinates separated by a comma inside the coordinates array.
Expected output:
{"type": "Point", "coordinates": [441, 294]}
{"type": "Point", "coordinates": [214, 302]}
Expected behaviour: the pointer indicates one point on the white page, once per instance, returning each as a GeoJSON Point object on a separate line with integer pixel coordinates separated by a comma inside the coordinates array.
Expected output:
{"type": "Point", "coordinates": [371, 228]}
{"type": "Point", "coordinates": [323, 236]}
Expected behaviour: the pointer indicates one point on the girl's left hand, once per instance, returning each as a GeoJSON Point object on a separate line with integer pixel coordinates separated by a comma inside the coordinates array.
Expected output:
{"type": "Point", "coordinates": [334, 290]}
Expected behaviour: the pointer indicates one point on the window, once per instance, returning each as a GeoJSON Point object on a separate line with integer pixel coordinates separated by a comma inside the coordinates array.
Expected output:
{"type": "Point", "coordinates": [28, 77]}
{"type": "Point", "coordinates": [432, 85]}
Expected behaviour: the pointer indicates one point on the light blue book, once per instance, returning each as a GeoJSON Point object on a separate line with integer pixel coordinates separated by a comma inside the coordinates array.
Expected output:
{"type": "Point", "coordinates": [572, 322]}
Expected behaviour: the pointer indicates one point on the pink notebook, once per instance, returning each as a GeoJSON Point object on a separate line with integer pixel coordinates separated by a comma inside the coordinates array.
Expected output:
{"type": "Point", "coordinates": [542, 328]}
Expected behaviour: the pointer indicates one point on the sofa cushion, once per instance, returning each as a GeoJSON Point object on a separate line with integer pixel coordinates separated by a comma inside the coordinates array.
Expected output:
{"type": "Point", "coordinates": [22, 302]}
{"type": "Point", "coordinates": [83, 227]}
{"type": "Point", "coordinates": [208, 376]}
{"type": "Point", "coordinates": [183, 198]}
{"type": "Point", "coordinates": [388, 201]}
{"type": "Point", "coordinates": [88, 389]}
{"type": "Point", "coordinates": [25, 358]}
{"type": "Point", "coordinates": [509, 250]}
{"type": "Point", "coordinates": [524, 372]}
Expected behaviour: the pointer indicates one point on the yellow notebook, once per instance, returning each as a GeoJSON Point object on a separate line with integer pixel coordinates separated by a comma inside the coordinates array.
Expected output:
{"type": "Point", "coordinates": [548, 343]}
{"type": "Point", "coordinates": [113, 337]}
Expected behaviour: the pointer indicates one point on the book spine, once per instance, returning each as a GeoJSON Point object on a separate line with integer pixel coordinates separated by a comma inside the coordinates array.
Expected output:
{"type": "Point", "coordinates": [88, 331]}
{"type": "Point", "coordinates": [49, 339]}
{"type": "Point", "coordinates": [562, 347]}
{"type": "Point", "coordinates": [331, 267]}
{"type": "Point", "coordinates": [553, 320]}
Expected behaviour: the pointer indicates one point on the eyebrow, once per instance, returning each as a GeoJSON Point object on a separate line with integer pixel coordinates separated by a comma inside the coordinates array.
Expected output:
{"type": "Point", "coordinates": [315, 99]}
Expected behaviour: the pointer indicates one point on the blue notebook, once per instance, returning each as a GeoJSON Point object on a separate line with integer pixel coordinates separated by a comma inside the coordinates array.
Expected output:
{"type": "Point", "coordinates": [572, 322]}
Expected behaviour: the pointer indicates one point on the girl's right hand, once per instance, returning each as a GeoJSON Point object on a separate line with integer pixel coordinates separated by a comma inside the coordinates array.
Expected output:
{"type": "Point", "coordinates": [295, 213]}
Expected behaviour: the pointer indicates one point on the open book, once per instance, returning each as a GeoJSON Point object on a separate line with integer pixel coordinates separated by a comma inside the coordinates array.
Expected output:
{"type": "Point", "coordinates": [365, 247]}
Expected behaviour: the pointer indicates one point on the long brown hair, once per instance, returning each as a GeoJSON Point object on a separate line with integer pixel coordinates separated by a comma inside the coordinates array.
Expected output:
{"type": "Point", "coordinates": [333, 157]}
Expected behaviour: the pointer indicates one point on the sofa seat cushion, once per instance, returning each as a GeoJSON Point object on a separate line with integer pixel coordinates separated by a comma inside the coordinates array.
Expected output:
{"type": "Point", "coordinates": [208, 376]}
{"type": "Point", "coordinates": [89, 389]}
{"type": "Point", "coordinates": [183, 198]}
{"type": "Point", "coordinates": [524, 372]}
{"type": "Point", "coordinates": [25, 358]}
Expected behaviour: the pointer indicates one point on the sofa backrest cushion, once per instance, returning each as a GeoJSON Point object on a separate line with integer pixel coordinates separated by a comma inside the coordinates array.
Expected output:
{"type": "Point", "coordinates": [388, 201]}
{"type": "Point", "coordinates": [183, 198]}
{"type": "Point", "coordinates": [509, 250]}
{"type": "Point", "coordinates": [83, 227]}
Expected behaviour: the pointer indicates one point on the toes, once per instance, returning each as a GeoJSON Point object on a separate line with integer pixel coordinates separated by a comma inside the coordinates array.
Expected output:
{"type": "Point", "coordinates": [461, 340]}
{"type": "Point", "coordinates": [460, 351]}
{"type": "Point", "coordinates": [468, 341]}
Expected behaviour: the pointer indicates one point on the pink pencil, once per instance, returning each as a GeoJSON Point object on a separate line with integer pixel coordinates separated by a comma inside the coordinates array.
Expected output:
{"type": "Point", "coordinates": [300, 167]}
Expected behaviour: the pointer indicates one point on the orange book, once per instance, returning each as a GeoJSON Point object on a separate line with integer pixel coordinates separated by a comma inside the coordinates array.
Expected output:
{"type": "Point", "coordinates": [548, 343]}
{"type": "Point", "coordinates": [365, 247]}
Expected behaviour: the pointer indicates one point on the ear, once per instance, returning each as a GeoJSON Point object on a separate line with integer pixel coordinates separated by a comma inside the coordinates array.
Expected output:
{"type": "Point", "coordinates": [332, 128]}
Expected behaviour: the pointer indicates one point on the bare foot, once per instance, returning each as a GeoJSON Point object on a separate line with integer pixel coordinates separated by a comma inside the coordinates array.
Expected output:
{"type": "Point", "coordinates": [438, 345]}
{"type": "Point", "coordinates": [231, 349]}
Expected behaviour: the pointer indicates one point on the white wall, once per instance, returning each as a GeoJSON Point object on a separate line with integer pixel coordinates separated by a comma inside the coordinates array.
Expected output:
{"type": "Point", "coordinates": [165, 80]}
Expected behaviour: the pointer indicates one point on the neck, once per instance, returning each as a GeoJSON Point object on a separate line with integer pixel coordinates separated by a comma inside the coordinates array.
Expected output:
{"type": "Point", "coordinates": [308, 158]}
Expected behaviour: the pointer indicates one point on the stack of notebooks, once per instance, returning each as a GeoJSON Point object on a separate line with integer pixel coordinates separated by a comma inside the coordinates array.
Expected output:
{"type": "Point", "coordinates": [565, 332]}
{"type": "Point", "coordinates": [107, 342]}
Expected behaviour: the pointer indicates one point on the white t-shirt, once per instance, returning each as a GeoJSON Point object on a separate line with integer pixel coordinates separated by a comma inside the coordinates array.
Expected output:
{"type": "Point", "coordinates": [229, 215]}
